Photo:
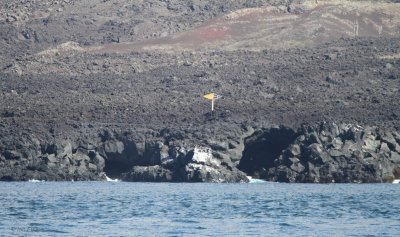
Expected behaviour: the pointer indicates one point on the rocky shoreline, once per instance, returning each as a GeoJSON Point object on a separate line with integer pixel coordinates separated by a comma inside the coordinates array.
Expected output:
{"type": "Point", "coordinates": [100, 89]}
{"type": "Point", "coordinates": [322, 153]}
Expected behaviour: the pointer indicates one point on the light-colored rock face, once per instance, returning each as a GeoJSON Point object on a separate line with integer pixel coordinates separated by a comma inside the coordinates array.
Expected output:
{"type": "Point", "coordinates": [395, 157]}
{"type": "Point", "coordinates": [295, 150]}
{"type": "Point", "coordinates": [370, 143]}
{"type": "Point", "coordinates": [202, 155]}
{"type": "Point", "coordinates": [203, 167]}
{"type": "Point", "coordinates": [65, 149]}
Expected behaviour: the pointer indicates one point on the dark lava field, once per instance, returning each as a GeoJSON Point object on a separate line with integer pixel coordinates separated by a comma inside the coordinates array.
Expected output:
{"type": "Point", "coordinates": [106, 87]}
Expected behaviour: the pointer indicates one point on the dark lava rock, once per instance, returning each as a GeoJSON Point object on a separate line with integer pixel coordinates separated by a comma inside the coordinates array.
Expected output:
{"type": "Point", "coordinates": [325, 153]}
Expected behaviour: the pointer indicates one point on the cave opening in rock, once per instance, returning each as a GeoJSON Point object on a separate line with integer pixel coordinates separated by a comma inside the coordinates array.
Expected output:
{"type": "Point", "coordinates": [264, 147]}
{"type": "Point", "coordinates": [114, 169]}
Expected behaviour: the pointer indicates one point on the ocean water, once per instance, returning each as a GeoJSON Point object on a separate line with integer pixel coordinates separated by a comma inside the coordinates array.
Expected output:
{"type": "Point", "coordinates": [203, 209]}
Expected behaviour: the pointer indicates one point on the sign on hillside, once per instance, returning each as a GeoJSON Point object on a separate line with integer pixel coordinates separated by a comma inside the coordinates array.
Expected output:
{"type": "Point", "coordinates": [212, 97]}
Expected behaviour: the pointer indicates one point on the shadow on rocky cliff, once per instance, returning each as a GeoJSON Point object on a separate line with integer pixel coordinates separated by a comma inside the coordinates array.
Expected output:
{"type": "Point", "coordinates": [263, 148]}
{"type": "Point", "coordinates": [120, 155]}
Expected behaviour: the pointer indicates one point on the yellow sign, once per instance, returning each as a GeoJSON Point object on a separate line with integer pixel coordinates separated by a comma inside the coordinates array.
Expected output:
{"type": "Point", "coordinates": [209, 96]}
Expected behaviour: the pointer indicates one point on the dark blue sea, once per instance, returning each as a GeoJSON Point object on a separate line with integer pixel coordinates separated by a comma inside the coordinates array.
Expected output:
{"type": "Point", "coordinates": [184, 209]}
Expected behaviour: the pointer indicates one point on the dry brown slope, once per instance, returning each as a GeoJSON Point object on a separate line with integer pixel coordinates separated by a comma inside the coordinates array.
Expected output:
{"type": "Point", "coordinates": [273, 27]}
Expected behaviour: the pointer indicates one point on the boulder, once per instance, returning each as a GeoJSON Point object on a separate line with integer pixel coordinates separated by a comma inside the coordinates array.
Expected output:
{"type": "Point", "coordinates": [350, 146]}
{"type": "Point", "coordinates": [12, 155]}
{"type": "Point", "coordinates": [371, 144]}
{"type": "Point", "coordinates": [397, 148]}
{"type": "Point", "coordinates": [395, 157]}
{"type": "Point", "coordinates": [218, 145]}
{"type": "Point", "coordinates": [66, 161]}
{"type": "Point", "coordinates": [92, 167]}
{"type": "Point", "coordinates": [114, 147]}
{"type": "Point", "coordinates": [148, 174]}
{"type": "Point", "coordinates": [337, 143]}
{"type": "Point", "coordinates": [297, 167]}
{"type": "Point", "coordinates": [313, 138]}
{"type": "Point", "coordinates": [194, 172]}
{"type": "Point", "coordinates": [87, 145]}
{"type": "Point", "coordinates": [389, 139]}
{"type": "Point", "coordinates": [201, 173]}
{"type": "Point", "coordinates": [294, 149]}
{"type": "Point", "coordinates": [80, 155]}
{"type": "Point", "coordinates": [396, 172]}
{"type": "Point", "coordinates": [384, 147]}
{"type": "Point", "coordinates": [50, 158]}
{"type": "Point", "coordinates": [294, 160]}
{"type": "Point", "coordinates": [316, 153]}
{"type": "Point", "coordinates": [284, 174]}
{"type": "Point", "coordinates": [64, 149]}
{"type": "Point", "coordinates": [335, 153]}
{"type": "Point", "coordinates": [327, 173]}
{"type": "Point", "coordinates": [99, 161]}
{"type": "Point", "coordinates": [325, 137]}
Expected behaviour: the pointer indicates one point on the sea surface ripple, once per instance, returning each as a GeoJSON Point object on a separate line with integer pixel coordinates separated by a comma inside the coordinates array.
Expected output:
{"type": "Point", "coordinates": [201, 209]}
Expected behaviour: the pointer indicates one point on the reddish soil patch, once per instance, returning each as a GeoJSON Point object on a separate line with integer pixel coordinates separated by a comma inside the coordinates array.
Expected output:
{"type": "Point", "coordinates": [208, 33]}
{"type": "Point", "coordinates": [262, 27]}
{"type": "Point", "coordinates": [202, 35]}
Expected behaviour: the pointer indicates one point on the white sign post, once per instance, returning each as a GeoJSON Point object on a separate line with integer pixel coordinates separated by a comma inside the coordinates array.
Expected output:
{"type": "Point", "coordinates": [212, 97]}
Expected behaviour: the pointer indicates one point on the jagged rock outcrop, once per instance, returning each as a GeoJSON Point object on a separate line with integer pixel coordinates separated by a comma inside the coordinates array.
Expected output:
{"type": "Point", "coordinates": [325, 153]}
{"type": "Point", "coordinates": [145, 156]}
{"type": "Point", "coordinates": [202, 166]}
{"type": "Point", "coordinates": [321, 153]}
{"type": "Point", "coordinates": [154, 173]}
{"type": "Point", "coordinates": [30, 158]}
{"type": "Point", "coordinates": [197, 165]}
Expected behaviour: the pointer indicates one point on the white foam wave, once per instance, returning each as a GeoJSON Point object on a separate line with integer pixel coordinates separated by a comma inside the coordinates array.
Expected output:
{"type": "Point", "coordinates": [35, 181]}
{"type": "Point", "coordinates": [255, 181]}
{"type": "Point", "coordinates": [396, 181]}
{"type": "Point", "coordinates": [111, 180]}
